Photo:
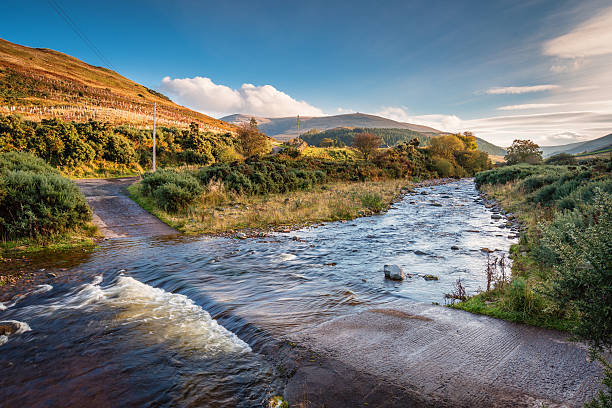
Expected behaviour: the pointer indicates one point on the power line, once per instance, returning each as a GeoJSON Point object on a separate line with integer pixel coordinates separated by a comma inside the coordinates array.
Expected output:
{"type": "Point", "coordinates": [60, 12]}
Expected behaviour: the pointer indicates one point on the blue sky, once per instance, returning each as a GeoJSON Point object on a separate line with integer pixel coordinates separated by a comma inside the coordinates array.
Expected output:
{"type": "Point", "coordinates": [503, 69]}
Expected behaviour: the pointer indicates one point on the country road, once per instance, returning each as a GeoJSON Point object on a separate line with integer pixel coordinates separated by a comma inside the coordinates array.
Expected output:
{"type": "Point", "coordinates": [115, 213]}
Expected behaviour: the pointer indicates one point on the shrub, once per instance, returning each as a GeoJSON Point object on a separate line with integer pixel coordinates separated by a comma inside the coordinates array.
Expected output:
{"type": "Point", "coordinates": [18, 161]}
{"type": "Point", "coordinates": [373, 202]}
{"type": "Point", "coordinates": [561, 159]}
{"type": "Point", "coordinates": [506, 174]}
{"type": "Point", "coordinates": [172, 190]}
{"type": "Point", "coordinates": [35, 200]}
{"type": "Point", "coordinates": [583, 267]}
{"type": "Point", "coordinates": [118, 149]}
{"type": "Point", "coordinates": [444, 168]}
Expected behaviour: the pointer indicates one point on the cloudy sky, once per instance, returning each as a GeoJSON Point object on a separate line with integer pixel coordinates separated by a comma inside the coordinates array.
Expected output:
{"type": "Point", "coordinates": [537, 69]}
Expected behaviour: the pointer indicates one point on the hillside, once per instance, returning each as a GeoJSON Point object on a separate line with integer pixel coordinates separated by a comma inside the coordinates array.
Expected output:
{"type": "Point", "coordinates": [286, 128]}
{"type": "Point", "coordinates": [41, 83]}
{"type": "Point", "coordinates": [391, 137]}
{"type": "Point", "coordinates": [580, 147]}
{"type": "Point", "coordinates": [490, 148]}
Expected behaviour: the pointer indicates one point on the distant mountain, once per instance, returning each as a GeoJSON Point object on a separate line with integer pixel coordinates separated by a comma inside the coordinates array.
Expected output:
{"type": "Point", "coordinates": [41, 83]}
{"type": "Point", "coordinates": [286, 128]}
{"type": "Point", "coordinates": [580, 147]}
{"type": "Point", "coordinates": [333, 126]}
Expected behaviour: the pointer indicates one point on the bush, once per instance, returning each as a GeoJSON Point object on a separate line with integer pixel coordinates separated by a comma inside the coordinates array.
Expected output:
{"type": "Point", "coordinates": [261, 177]}
{"type": "Point", "coordinates": [172, 190]}
{"type": "Point", "coordinates": [35, 200]}
{"type": "Point", "coordinates": [444, 168]}
{"type": "Point", "coordinates": [373, 202]}
{"type": "Point", "coordinates": [18, 161]}
{"type": "Point", "coordinates": [582, 243]}
{"type": "Point", "coordinates": [561, 159]}
{"type": "Point", "coordinates": [503, 175]}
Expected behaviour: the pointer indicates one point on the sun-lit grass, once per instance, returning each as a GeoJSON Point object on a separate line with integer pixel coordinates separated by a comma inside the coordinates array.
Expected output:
{"type": "Point", "coordinates": [332, 153]}
{"type": "Point", "coordinates": [218, 212]}
{"type": "Point", "coordinates": [80, 238]}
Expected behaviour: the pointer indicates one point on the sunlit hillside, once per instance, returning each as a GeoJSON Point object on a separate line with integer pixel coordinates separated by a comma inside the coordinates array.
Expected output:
{"type": "Point", "coordinates": [41, 83]}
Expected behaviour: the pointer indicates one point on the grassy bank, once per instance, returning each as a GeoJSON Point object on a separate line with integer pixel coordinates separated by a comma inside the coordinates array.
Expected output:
{"type": "Point", "coordinates": [219, 211]}
{"type": "Point", "coordinates": [561, 266]}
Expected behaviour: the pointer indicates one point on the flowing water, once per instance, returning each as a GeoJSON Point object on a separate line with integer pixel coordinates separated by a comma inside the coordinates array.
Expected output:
{"type": "Point", "coordinates": [182, 321]}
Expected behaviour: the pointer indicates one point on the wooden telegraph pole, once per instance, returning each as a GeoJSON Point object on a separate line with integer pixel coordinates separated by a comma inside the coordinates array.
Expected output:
{"type": "Point", "coordinates": [298, 128]}
{"type": "Point", "coordinates": [154, 164]}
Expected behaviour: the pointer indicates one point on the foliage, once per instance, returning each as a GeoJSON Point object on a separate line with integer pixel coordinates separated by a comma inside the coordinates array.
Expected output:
{"type": "Point", "coordinates": [345, 136]}
{"type": "Point", "coordinates": [251, 142]}
{"type": "Point", "coordinates": [523, 151]}
{"type": "Point", "coordinates": [561, 159]}
{"type": "Point", "coordinates": [70, 145]}
{"type": "Point", "coordinates": [261, 177]}
{"type": "Point", "coordinates": [505, 174]}
{"type": "Point", "coordinates": [603, 399]}
{"type": "Point", "coordinates": [372, 201]}
{"type": "Point", "coordinates": [327, 142]}
{"type": "Point", "coordinates": [367, 143]}
{"type": "Point", "coordinates": [582, 243]}
{"type": "Point", "coordinates": [173, 190]}
{"type": "Point", "coordinates": [563, 267]}
{"type": "Point", "coordinates": [445, 146]}
{"type": "Point", "coordinates": [444, 168]}
{"type": "Point", "coordinates": [35, 200]}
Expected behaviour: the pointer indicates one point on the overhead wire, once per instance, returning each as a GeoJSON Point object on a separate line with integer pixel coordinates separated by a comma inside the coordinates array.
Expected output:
{"type": "Point", "coordinates": [62, 13]}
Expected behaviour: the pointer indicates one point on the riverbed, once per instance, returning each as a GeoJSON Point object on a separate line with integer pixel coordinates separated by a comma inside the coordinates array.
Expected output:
{"type": "Point", "coordinates": [182, 321]}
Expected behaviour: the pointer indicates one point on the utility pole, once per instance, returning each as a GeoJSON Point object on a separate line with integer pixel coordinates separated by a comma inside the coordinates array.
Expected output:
{"type": "Point", "coordinates": [154, 164]}
{"type": "Point", "coordinates": [298, 123]}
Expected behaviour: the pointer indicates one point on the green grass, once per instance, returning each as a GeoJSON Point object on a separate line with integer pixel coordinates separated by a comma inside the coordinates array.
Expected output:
{"type": "Point", "coordinates": [82, 238]}
{"type": "Point", "coordinates": [489, 304]}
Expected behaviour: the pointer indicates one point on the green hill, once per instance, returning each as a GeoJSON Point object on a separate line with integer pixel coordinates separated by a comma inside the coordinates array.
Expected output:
{"type": "Point", "coordinates": [391, 137]}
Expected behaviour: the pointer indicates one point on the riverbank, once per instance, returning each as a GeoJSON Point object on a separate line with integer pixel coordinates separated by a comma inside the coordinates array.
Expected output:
{"type": "Point", "coordinates": [559, 277]}
{"type": "Point", "coordinates": [245, 216]}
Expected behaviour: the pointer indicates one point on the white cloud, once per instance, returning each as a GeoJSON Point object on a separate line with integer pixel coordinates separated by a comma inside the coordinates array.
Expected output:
{"type": "Point", "coordinates": [564, 138]}
{"type": "Point", "coordinates": [528, 106]}
{"type": "Point", "coordinates": [544, 128]}
{"type": "Point", "coordinates": [449, 123]}
{"type": "Point", "coordinates": [520, 89]}
{"type": "Point", "coordinates": [591, 38]}
{"type": "Point", "coordinates": [204, 95]}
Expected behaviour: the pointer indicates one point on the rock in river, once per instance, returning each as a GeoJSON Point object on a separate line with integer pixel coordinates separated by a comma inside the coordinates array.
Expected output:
{"type": "Point", "coordinates": [394, 272]}
{"type": "Point", "coordinates": [455, 248]}
{"type": "Point", "coordinates": [430, 277]}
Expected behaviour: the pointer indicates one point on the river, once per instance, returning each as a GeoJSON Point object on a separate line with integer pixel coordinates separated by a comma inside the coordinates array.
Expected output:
{"type": "Point", "coordinates": [182, 321]}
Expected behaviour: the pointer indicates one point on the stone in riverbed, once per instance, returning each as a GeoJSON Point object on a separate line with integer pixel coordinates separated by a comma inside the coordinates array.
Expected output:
{"type": "Point", "coordinates": [455, 248]}
{"type": "Point", "coordinates": [419, 252]}
{"type": "Point", "coordinates": [430, 277]}
{"type": "Point", "coordinates": [394, 272]}
{"type": "Point", "coordinates": [496, 216]}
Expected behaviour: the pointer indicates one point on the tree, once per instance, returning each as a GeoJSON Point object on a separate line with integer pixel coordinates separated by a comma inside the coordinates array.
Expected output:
{"type": "Point", "coordinates": [523, 151]}
{"type": "Point", "coordinates": [469, 140]}
{"type": "Point", "coordinates": [326, 142]}
{"type": "Point", "coordinates": [251, 142]}
{"type": "Point", "coordinates": [445, 146]}
{"type": "Point", "coordinates": [366, 143]}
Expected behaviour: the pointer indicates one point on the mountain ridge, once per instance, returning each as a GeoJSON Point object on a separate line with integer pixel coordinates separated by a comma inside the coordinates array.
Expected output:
{"type": "Point", "coordinates": [285, 128]}
{"type": "Point", "coordinates": [578, 147]}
